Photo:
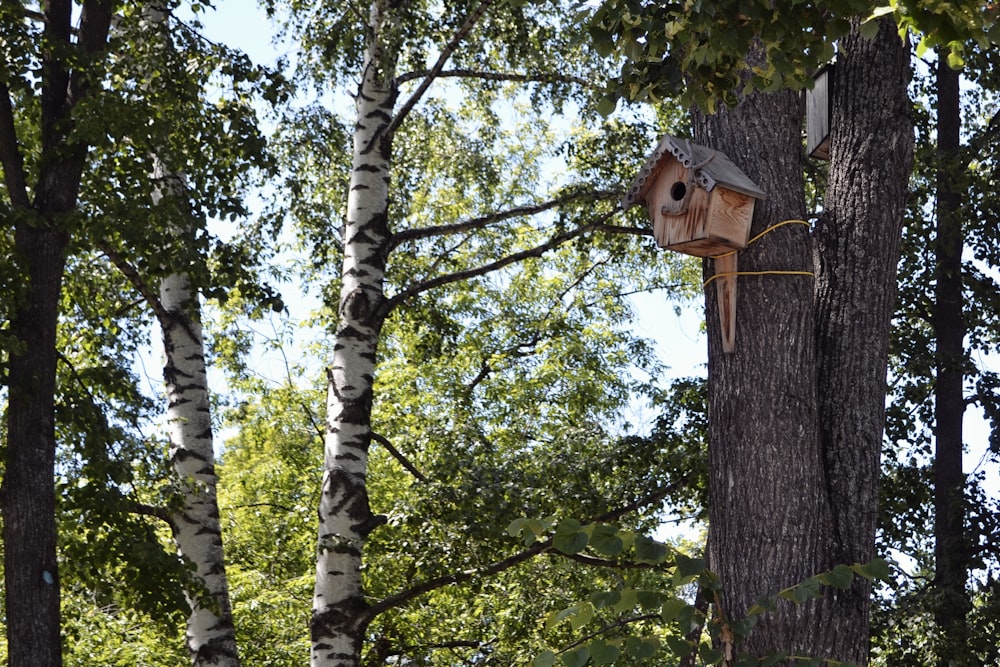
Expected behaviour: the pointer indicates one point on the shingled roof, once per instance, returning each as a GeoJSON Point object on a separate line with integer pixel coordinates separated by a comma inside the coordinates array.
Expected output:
{"type": "Point", "coordinates": [716, 169]}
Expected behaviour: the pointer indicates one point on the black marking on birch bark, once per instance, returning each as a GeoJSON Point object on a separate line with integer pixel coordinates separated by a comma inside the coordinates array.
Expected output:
{"type": "Point", "coordinates": [371, 168]}
{"type": "Point", "coordinates": [184, 454]}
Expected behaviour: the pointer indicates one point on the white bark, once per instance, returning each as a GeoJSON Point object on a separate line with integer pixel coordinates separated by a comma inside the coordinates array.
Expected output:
{"type": "Point", "coordinates": [211, 637]}
{"type": "Point", "coordinates": [339, 609]}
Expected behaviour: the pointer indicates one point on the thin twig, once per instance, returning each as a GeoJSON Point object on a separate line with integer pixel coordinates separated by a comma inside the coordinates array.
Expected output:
{"type": "Point", "coordinates": [396, 454]}
{"type": "Point", "coordinates": [496, 567]}
{"type": "Point", "coordinates": [445, 54]}
{"type": "Point", "coordinates": [499, 76]}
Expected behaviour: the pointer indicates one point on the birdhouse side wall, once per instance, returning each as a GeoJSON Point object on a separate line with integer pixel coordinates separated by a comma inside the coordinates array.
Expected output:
{"type": "Point", "coordinates": [719, 224]}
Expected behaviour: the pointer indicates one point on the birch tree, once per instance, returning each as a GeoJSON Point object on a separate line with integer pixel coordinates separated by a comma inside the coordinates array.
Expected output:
{"type": "Point", "coordinates": [399, 53]}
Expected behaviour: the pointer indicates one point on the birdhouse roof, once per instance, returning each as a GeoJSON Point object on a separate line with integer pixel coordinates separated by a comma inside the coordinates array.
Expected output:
{"type": "Point", "coordinates": [712, 168]}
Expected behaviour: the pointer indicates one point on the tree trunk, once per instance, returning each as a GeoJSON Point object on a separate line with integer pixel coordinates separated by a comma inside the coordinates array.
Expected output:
{"type": "Point", "coordinates": [950, 551]}
{"type": "Point", "coordinates": [857, 244]}
{"type": "Point", "coordinates": [796, 413]}
{"type": "Point", "coordinates": [211, 637]}
{"type": "Point", "coordinates": [31, 577]}
{"type": "Point", "coordinates": [339, 610]}
{"type": "Point", "coordinates": [768, 515]}
{"type": "Point", "coordinates": [31, 574]}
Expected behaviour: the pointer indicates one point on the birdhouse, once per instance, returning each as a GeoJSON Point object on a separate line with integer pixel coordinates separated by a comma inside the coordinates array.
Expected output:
{"type": "Point", "coordinates": [699, 203]}
{"type": "Point", "coordinates": [819, 105]}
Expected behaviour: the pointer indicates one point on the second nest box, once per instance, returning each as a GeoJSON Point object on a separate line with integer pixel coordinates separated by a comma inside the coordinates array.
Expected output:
{"type": "Point", "coordinates": [701, 204]}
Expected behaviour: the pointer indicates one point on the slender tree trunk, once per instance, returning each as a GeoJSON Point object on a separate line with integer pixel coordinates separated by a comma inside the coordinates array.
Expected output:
{"type": "Point", "coordinates": [796, 413]}
{"type": "Point", "coordinates": [211, 637]}
{"type": "Point", "coordinates": [950, 551]}
{"type": "Point", "coordinates": [857, 243]}
{"type": "Point", "coordinates": [345, 518]}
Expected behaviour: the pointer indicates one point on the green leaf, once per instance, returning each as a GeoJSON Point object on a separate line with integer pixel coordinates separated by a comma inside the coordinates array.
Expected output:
{"type": "Point", "coordinates": [602, 599]}
{"type": "Point", "coordinates": [709, 655]}
{"type": "Point", "coordinates": [671, 608]}
{"type": "Point", "coordinates": [607, 104]}
{"type": "Point", "coordinates": [649, 599]}
{"type": "Point", "coordinates": [876, 569]}
{"type": "Point", "coordinates": [868, 29]}
{"type": "Point", "coordinates": [605, 540]}
{"type": "Point", "coordinates": [649, 551]}
{"type": "Point", "coordinates": [544, 659]}
{"type": "Point", "coordinates": [840, 577]}
{"type": "Point", "coordinates": [578, 657]}
{"type": "Point", "coordinates": [642, 647]}
{"type": "Point", "coordinates": [603, 653]}
{"type": "Point", "coordinates": [689, 568]}
{"type": "Point", "coordinates": [956, 60]}
{"type": "Point", "coordinates": [679, 646]}
{"type": "Point", "coordinates": [627, 601]}
{"type": "Point", "coordinates": [569, 538]}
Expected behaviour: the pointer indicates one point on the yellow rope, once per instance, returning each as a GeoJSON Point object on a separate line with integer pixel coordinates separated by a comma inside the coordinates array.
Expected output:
{"type": "Point", "coordinates": [763, 233]}
{"type": "Point", "coordinates": [726, 274]}
{"type": "Point", "coordinates": [760, 273]}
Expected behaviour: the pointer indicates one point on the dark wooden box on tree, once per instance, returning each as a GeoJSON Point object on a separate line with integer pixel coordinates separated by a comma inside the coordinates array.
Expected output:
{"type": "Point", "coordinates": [699, 203]}
{"type": "Point", "coordinates": [819, 100]}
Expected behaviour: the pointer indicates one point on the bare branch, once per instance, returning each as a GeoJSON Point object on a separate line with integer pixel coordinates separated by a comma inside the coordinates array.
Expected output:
{"type": "Point", "coordinates": [536, 251]}
{"type": "Point", "coordinates": [160, 513]}
{"type": "Point", "coordinates": [10, 153]}
{"type": "Point", "coordinates": [487, 220]}
{"type": "Point", "coordinates": [512, 77]}
{"type": "Point", "coordinates": [163, 316]}
{"type": "Point", "coordinates": [396, 454]}
{"type": "Point", "coordinates": [607, 562]}
{"type": "Point", "coordinates": [446, 52]}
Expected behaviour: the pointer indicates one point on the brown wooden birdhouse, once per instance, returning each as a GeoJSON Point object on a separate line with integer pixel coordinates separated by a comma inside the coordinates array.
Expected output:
{"type": "Point", "coordinates": [699, 203]}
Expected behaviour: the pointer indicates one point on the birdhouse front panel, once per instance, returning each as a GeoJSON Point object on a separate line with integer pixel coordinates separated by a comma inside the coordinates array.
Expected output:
{"type": "Point", "coordinates": [687, 218]}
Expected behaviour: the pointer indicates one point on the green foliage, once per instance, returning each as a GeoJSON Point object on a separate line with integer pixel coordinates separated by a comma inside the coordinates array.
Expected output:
{"type": "Point", "coordinates": [698, 51]}
{"type": "Point", "coordinates": [668, 606]}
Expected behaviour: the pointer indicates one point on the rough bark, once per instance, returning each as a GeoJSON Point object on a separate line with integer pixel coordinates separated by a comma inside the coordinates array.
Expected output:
{"type": "Point", "coordinates": [857, 248]}
{"type": "Point", "coordinates": [345, 519]}
{"type": "Point", "coordinates": [768, 518]}
{"type": "Point", "coordinates": [31, 578]}
{"type": "Point", "coordinates": [950, 550]}
{"type": "Point", "coordinates": [796, 413]}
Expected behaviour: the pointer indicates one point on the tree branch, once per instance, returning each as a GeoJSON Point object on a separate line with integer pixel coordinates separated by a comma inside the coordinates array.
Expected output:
{"type": "Point", "coordinates": [10, 153]}
{"type": "Point", "coordinates": [486, 220]}
{"type": "Point", "coordinates": [496, 567]}
{"type": "Point", "coordinates": [163, 316]}
{"type": "Point", "coordinates": [536, 251]}
{"type": "Point", "coordinates": [606, 562]}
{"type": "Point", "coordinates": [446, 52]}
{"type": "Point", "coordinates": [498, 76]}
{"type": "Point", "coordinates": [396, 454]}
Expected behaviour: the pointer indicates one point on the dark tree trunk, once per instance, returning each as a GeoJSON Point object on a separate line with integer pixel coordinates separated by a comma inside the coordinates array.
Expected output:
{"type": "Point", "coordinates": [950, 552]}
{"type": "Point", "coordinates": [768, 516]}
{"type": "Point", "coordinates": [29, 528]}
{"type": "Point", "coordinates": [796, 413]}
{"type": "Point", "coordinates": [40, 241]}
{"type": "Point", "coordinates": [857, 245]}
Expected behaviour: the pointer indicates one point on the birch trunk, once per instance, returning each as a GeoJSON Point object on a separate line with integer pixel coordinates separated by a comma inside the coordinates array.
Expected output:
{"type": "Point", "coordinates": [339, 615]}
{"type": "Point", "coordinates": [211, 638]}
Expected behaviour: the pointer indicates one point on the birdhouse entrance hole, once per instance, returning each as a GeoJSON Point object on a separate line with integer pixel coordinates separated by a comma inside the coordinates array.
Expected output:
{"type": "Point", "coordinates": [677, 192]}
